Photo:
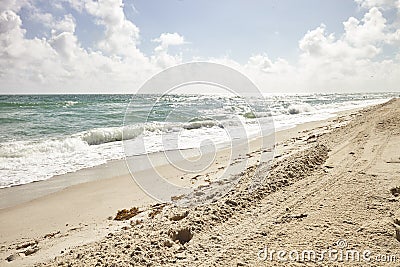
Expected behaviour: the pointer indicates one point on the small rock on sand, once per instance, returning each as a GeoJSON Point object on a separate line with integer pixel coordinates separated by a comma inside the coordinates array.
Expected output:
{"type": "Point", "coordinates": [180, 256]}
{"type": "Point", "coordinates": [31, 251]}
{"type": "Point", "coordinates": [12, 257]}
{"type": "Point", "coordinates": [179, 216]}
{"type": "Point", "coordinates": [398, 233]}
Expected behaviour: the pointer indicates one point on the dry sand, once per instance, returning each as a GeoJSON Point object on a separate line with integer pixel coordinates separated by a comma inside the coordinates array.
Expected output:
{"type": "Point", "coordinates": [334, 180]}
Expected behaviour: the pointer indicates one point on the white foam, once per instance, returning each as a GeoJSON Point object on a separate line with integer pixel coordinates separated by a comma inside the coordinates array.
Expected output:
{"type": "Point", "coordinates": [27, 161]}
{"type": "Point", "coordinates": [300, 108]}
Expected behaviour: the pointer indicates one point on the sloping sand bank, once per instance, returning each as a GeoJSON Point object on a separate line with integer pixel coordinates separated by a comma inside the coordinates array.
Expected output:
{"type": "Point", "coordinates": [331, 191]}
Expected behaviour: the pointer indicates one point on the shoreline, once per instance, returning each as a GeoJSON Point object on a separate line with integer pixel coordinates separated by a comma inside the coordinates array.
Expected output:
{"type": "Point", "coordinates": [84, 209]}
{"type": "Point", "coordinates": [15, 195]}
{"type": "Point", "coordinates": [327, 114]}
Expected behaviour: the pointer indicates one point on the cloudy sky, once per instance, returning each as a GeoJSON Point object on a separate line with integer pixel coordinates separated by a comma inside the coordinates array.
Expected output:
{"type": "Point", "coordinates": [113, 46]}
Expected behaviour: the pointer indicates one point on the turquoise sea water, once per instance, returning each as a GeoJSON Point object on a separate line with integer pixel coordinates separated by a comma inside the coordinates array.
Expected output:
{"type": "Point", "coordinates": [45, 135]}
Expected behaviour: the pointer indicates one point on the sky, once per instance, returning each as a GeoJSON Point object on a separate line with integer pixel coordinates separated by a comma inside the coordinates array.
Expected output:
{"type": "Point", "coordinates": [114, 46]}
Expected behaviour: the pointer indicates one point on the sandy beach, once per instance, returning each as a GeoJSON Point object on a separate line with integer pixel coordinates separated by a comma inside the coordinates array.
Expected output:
{"type": "Point", "coordinates": [333, 184]}
{"type": "Point", "coordinates": [199, 133]}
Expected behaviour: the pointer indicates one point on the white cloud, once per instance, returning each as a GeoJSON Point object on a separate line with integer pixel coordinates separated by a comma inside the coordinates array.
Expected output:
{"type": "Point", "coordinates": [65, 44]}
{"type": "Point", "coordinates": [168, 39]}
{"type": "Point", "coordinates": [57, 5]}
{"type": "Point", "coordinates": [44, 18]}
{"type": "Point", "coordinates": [260, 62]}
{"type": "Point", "coordinates": [121, 35]}
{"type": "Point", "coordinates": [76, 4]}
{"type": "Point", "coordinates": [395, 38]}
{"type": "Point", "coordinates": [67, 24]}
{"type": "Point", "coordinates": [384, 4]}
{"type": "Point", "coordinates": [60, 63]}
{"type": "Point", "coordinates": [370, 31]}
{"type": "Point", "coordinates": [13, 5]}
{"type": "Point", "coordinates": [9, 21]}
{"type": "Point", "coordinates": [25, 61]}
{"type": "Point", "coordinates": [316, 44]}
{"type": "Point", "coordinates": [352, 57]}
{"type": "Point", "coordinates": [161, 57]}
{"type": "Point", "coordinates": [264, 64]}
{"type": "Point", "coordinates": [326, 62]}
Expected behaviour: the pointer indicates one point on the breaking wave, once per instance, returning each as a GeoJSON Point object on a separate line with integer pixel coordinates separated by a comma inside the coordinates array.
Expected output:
{"type": "Point", "coordinates": [300, 108]}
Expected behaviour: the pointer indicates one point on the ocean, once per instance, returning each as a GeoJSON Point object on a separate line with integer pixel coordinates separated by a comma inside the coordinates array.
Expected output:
{"type": "Point", "coordinates": [46, 135]}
